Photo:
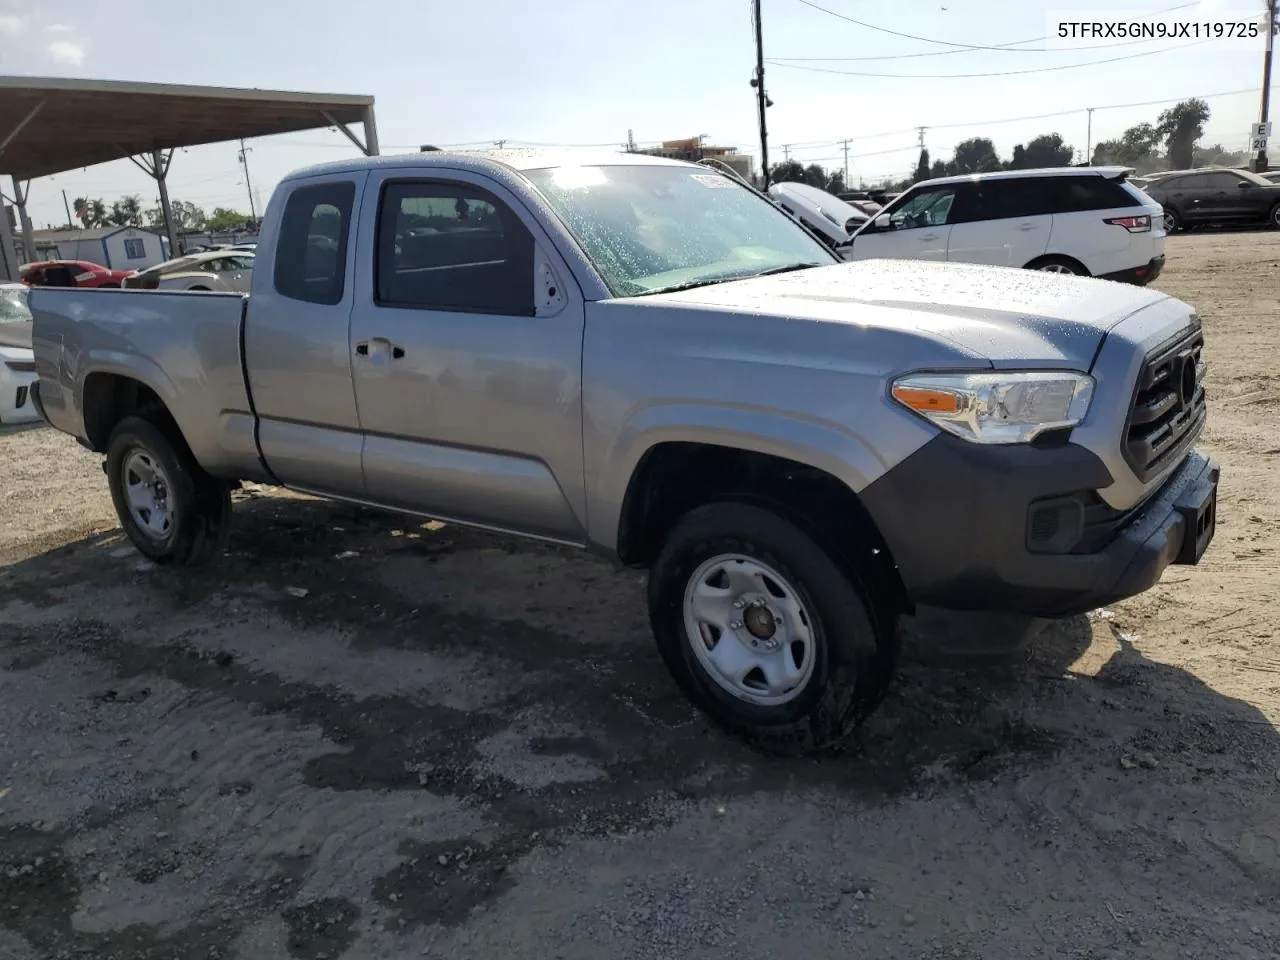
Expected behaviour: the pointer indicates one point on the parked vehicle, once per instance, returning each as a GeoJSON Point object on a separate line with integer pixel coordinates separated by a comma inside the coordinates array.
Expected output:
{"type": "Point", "coordinates": [17, 364]}
{"type": "Point", "coordinates": [646, 359]}
{"type": "Point", "coordinates": [1216, 196]}
{"type": "Point", "coordinates": [71, 273]}
{"type": "Point", "coordinates": [833, 220]}
{"type": "Point", "coordinates": [1081, 220]}
{"type": "Point", "coordinates": [1271, 177]}
{"type": "Point", "coordinates": [220, 270]}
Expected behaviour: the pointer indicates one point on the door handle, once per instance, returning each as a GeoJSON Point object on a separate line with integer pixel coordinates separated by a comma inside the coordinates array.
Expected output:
{"type": "Point", "coordinates": [929, 238]}
{"type": "Point", "coordinates": [1024, 227]}
{"type": "Point", "coordinates": [362, 348]}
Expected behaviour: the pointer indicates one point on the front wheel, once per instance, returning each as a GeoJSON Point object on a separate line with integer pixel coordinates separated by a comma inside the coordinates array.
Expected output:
{"type": "Point", "coordinates": [172, 510]}
{"type": "Point", "coordinates": [765, 631]}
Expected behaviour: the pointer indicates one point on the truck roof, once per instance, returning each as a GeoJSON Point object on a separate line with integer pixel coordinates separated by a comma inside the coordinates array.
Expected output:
{"type": "Point", "coordinates": [487, 160]}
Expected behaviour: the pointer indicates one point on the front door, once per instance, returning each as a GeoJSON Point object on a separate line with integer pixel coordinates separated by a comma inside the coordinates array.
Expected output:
{"type": "Point", "coordinates": [919, 228]}
{"type": "Point", "coordinates": [466, 344]}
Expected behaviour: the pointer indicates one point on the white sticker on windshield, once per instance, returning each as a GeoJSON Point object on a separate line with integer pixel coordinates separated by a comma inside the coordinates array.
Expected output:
{"type": "Point", "coordinates": [712, 180]}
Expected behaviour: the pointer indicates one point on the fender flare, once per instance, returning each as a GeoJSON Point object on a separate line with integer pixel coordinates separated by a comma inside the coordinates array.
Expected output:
{"type": "Point", "coordinates": [833, 448]}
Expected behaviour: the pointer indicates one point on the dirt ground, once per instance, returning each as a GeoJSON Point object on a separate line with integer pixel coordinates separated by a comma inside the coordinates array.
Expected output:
{"type": "Point", "coordinates": [362, 736]}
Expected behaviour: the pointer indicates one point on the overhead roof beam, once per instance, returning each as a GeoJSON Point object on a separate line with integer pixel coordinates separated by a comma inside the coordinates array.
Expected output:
{"type": "Point", "coordinates": [31, 115]}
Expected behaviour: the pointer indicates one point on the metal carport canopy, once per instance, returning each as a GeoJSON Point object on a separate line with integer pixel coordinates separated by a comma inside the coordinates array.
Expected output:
{"type": "Point", "coordinates": [50, 125]}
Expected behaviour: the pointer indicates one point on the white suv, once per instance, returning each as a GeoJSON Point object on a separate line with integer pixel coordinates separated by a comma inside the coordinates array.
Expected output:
{"type": "Point", "coordinates": [1082, 220]}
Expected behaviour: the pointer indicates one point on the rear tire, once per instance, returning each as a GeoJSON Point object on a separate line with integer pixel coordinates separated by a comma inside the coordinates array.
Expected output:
{"type": "Point", "coordinates": [171, 510]}
{"type": "Point", "coordinates": [807, 659]}
{"type": "Point", "coordinates": [1056, 264]}
{"type": "Point", "coordinates": [1274, 219]}
{"type": "Point", "coordinates": [1172, 222]}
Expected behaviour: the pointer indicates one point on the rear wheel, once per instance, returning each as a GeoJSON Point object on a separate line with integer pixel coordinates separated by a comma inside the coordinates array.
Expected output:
{"type": "Point", "coordinates": [1172, 223]}
{"type": "Point", "coordinates": [1057, 264]}
{"type": "Point", "coordinates": [765, 631]}
{"type": "Point", "coordinates": [168, 506]}
{"type": "Point", "coordinates": [1275, 217]}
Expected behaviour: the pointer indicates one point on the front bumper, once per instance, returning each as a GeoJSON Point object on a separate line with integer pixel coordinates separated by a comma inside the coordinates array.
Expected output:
{"type": "Point", "coordinates": [956, 517]}
{"type": "Point", "coordinates": [1138, 275]}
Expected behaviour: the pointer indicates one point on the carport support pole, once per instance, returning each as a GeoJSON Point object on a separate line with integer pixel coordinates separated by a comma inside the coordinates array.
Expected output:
{"type": "Point", "coordinates": [370, 133]}
{"type": "Point", "coordinates": [161, 168]}
{"type": "Point", "coordinates": [28, 240]}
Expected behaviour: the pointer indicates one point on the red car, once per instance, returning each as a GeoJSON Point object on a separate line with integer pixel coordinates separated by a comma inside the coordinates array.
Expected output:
{"type": "Point", "coordinates": [71, 273]}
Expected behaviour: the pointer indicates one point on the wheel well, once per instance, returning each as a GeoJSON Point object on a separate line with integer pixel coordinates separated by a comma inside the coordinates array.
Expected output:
{"type": "Point", "coordinates": [109, 398]}
{"type": "Point", "coordinates": [674, 478]}
{"type": "Point", "coordinates": [1061, 258]}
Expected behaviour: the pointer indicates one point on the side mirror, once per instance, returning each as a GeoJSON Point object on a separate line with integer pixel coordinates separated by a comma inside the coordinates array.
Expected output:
{"type": "Point", "coordinates": [1244, 185]}
{"type": "Point", "coordinates": [883, 222]}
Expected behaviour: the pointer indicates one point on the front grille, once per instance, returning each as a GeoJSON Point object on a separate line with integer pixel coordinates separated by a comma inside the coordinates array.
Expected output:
{"type": "Point", "coordinates": [1168, 405]}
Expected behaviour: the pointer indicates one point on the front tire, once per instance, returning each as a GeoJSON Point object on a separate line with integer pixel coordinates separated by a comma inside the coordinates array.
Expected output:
{"type": "Point", "coordinates": [171, 510]}
{"type": "Point", "coordinates": [765, 631]}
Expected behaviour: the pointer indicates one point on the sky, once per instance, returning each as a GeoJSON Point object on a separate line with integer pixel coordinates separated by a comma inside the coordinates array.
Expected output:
{"type": "Point", "coordinates": [569, 72]}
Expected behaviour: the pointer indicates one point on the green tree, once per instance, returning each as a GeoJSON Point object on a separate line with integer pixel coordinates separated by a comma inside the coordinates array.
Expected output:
{"type": "Point", "coordinates": [1019, 159]}
{"type": "Point", "coordinates": [1048, 150]}
{"type": "Point", "coordinates": [126, 212]}
{"type": "Point", "coordinates": [939, 169]}
{"type": "Point", "coordinates": [91, 213]}
{"type": "Point", "coordinates": [1218, 156]}
{"type": "Point", "coordinates": [1179, 127]}
{"type": "Point", "coordinates": [976, 155]}
{"type": "Point", "coordinates": [789, 171]}
{"type": "Point", "coordinates": [223, 219]}
{"type": "Point", "coordinates": [815, 176]}
{"type": "Point", "coordinates": [1136, 147]}
{"type": "Point", "coordinates": [186, 216]}
{"type": "Point", "coordinates": [836, 184]}
{"type": "Point", "coordinates": [922, 166]}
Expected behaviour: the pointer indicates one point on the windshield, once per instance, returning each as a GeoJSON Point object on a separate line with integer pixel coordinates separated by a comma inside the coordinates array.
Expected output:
{"type": "Point", "coordinates": [13, 305]}
{"type": "Point", "coordinates": [654, 228]}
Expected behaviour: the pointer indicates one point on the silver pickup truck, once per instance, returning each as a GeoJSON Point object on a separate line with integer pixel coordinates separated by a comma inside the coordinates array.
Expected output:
{"type": "Point", "coordinates": [647, 359]}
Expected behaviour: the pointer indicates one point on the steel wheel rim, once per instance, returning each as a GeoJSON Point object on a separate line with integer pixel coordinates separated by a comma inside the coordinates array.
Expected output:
{"type": "Point", "coordinates": [1056, 268]}
{"type": "Point", "coordinates": [729, 602]}
{"type": "Point", "coordinates": [149, 494]}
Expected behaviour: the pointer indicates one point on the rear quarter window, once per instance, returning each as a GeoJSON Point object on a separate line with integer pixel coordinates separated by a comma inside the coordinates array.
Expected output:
{"type": "Point", "coordinates": [311, 250]}
{"type": "Point", "coordinates": [1076, 194]}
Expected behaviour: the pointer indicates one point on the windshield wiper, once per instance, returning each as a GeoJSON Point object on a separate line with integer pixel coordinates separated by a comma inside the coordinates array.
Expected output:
{"type": "Point", "coordinates": [784, 269]}
{"type": "Point", "coordinates": [708, 281]}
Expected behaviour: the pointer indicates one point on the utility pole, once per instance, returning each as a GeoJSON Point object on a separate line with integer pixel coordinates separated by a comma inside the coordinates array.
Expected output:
{"type": "Point", "coordinates": [66, 206]}
{"type": "Point", "coordinates": [762, 99]}
{"type": "Point", "coordinates": [500, 144]}
{"type": "Point", "coordinates": [631, 142]}
{"type": "Point", "coordinates": [786, 152]}
{"type": "Point", "coordinates": [920, 136]}
{"type": "Point", "coordinates": [846, 164]}
{"type": "Point", "coordinates": [1088, 140]}
{"type": "Point", "coordinates": [244, 162]}
{"type": "Point", "coordinates": [1260, 162]}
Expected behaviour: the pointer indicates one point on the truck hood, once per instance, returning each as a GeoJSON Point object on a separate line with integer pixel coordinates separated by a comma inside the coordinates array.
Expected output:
{"type": "Point", "coordinates": [1009, 317]}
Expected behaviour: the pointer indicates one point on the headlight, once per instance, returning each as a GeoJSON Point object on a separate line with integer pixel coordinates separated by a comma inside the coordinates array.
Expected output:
{"type": "Point", "coordinates": [997, 407]}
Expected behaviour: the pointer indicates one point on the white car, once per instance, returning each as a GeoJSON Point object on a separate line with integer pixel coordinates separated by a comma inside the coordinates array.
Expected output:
{"type": "Point", "coordinates": [825, 214]}
{"type": "Point", "coordinates": [218, 270]}
{"type": "Point", "coordinates": [1083, 220]}
{"type": "Point", "coordinates": [17, 362]}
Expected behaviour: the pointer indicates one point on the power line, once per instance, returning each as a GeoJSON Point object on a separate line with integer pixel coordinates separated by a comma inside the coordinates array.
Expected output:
{"type": "Point", "coordinates": [1001, 73]}
{"type": "Point", "coordinates": [949, 43]}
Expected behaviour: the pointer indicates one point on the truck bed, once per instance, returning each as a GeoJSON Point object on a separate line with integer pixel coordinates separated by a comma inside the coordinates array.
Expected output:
{"type": "Point", "coordinates": [185, 347]}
